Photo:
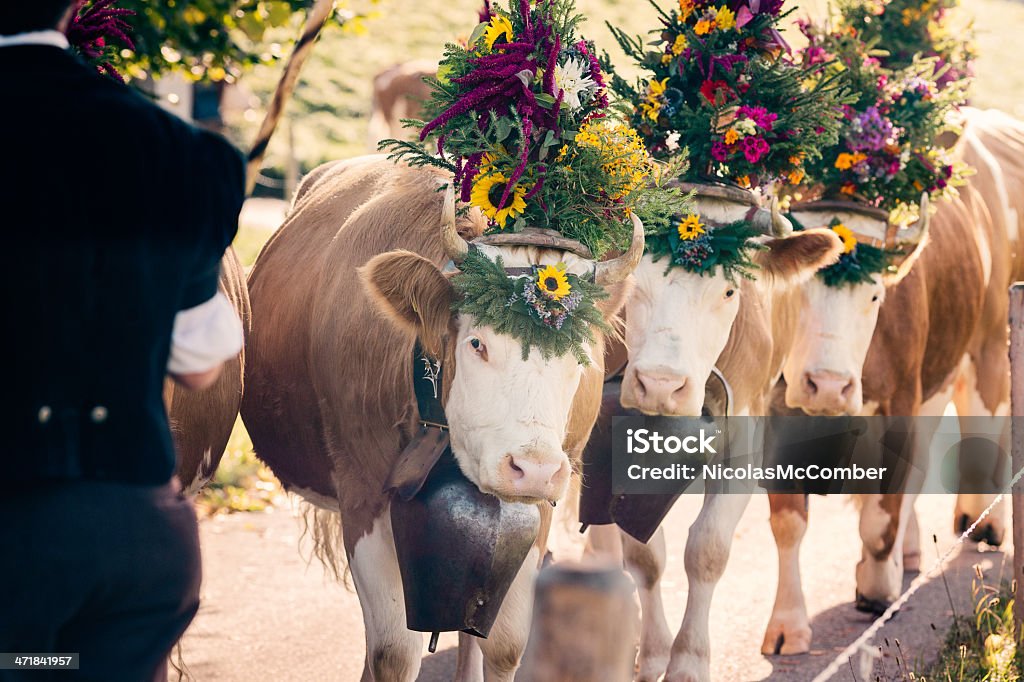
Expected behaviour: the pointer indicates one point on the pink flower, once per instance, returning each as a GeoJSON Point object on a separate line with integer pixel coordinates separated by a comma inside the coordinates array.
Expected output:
{"type": "Point", "coordinates": [759, 115]}
{"type": "Point", "coordinates": [719, 152]}
{"type": "Point", "coordinates": [754, 148]}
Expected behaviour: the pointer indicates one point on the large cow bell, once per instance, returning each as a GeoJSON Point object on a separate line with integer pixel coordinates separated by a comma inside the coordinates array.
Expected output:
{"type": "Point", "coordinates": [458, 551]}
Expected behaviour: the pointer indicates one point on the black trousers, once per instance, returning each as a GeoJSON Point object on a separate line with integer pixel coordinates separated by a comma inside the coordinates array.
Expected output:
{"type": "Point", "coordinates": [106, 570]}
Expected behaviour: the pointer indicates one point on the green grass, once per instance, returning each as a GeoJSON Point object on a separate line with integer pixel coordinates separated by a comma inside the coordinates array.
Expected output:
{"type": "Point", "coordinates": [981, 647]}
{"type": "Point", "coordinates": [331, 106]}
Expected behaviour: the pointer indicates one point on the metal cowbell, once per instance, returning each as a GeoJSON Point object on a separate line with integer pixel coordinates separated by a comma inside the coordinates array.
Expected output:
{"type": "Point", "coordinates": [459, 550]}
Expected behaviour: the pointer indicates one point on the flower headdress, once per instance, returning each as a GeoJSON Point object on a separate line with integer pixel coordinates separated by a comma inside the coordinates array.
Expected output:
{"type": "Point", "coordinates": [887, 154]}
{"type": "Point", "coordinates": [860, 261]}
{"type": "Point", "coordinates": [542, 306]}
{"type": "Point", "coordinates": [520, 117]}
{"type": "Point", "coordinates": [699, 244]}
{"type": "Point", "coordinates": [721, 85]}
{"type": "Point", "coordinates": [95, 29]}
{"type": "Point", "coordinates": [908, 28]}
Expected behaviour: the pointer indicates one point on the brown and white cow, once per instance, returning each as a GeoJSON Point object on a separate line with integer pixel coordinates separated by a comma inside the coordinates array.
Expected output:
{"type": "Point", "coordinates": [398, 92]}
{"type": "Point", "coordinates": [201, 421]}
{"type": "Point", "coordinates": [889, 348]}
{"type": "Point", "coordinates": [340, 295]}
{"type": "Point", "coordinates": [679, 326]}
{"type": "Point", "coordinates": [992, 143]}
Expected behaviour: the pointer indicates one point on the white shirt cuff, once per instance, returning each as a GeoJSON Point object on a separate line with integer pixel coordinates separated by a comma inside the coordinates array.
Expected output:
{"type": "Point", "coordinates": [205, 336]}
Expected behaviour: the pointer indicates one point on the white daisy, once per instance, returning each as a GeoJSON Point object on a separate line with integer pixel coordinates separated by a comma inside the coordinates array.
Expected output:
{"type": "Point", "coordinates": [573, 79]}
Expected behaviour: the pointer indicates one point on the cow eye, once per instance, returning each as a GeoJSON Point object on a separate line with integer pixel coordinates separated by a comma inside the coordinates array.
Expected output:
{"type": "Point", "coordinates": [479, 347]}
{"type": "Point", "coordinates": [729, 293]}
{"type": "Point", "coordinates": [874, 298]}
{"type": "Point", "coordinates": [475, 342]}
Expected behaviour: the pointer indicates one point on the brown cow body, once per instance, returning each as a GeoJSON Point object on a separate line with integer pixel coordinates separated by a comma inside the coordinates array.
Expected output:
{"type": "Point", "coordinates": [930, 320]}
{"type": "Point", "coordinates": [329, 401]}
{"type": "Point", "coordinates": [201, 421]}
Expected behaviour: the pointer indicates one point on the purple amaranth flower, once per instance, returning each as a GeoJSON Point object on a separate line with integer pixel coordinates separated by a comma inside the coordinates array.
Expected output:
{"type": "Point", "coordinates": [95, 24]}
{"type": "Point", "coordinates": [601, 98]}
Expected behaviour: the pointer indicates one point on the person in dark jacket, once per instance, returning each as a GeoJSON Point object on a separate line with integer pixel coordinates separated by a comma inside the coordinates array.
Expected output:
{"type": "Point", "coordinates": [115, 217]}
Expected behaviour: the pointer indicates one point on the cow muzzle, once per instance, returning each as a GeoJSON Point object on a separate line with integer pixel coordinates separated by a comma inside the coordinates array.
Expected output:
{"type": "Point", "coordinates": [826, 393]}
{"type": "Point", "coordinates": [532, 475]}
{"type": "Point", "coordinates": [662, 393]}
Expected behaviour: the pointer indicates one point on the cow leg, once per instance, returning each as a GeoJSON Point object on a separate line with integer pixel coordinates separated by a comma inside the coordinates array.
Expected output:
{"type": "Point", "coordinates": [470, 662]}
{"type": "Point", "coordinates": [972, 409]}
{"type": "Point", "coordinates": [880, 570]}
{"type": "Point", "coordinates": [393, 652]}
{"type": "Point", "coordinates": [646, 563]}
{"type": "Point", "coordinates": [504, 646]}
{"type": "Point", "coordinates": [707, 552]}
{"type": "Point", "coordinates": [603, 543]}
{"type": "Point", "coordinates": [912, 543]}
{"type": "Point", "coordinates": [789, 629]}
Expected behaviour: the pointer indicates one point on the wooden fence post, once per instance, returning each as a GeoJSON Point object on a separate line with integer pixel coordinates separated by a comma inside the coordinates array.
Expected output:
{"type": "Point", "coordinates": [583, 626]}
{"type": "Point", "coordinates": [1017, 442]}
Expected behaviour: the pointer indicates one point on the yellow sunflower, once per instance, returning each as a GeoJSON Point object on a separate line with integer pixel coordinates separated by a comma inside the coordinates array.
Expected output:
{"type": "Point", "coordinates": [499, 26]}
{"type": "Point", "coordinates": [846, 234]}
{"type": "Point", "coordinates": [486, 195]}
{"type": "Point", "coordinates": [691, 227]}
{"type": "Point", "coordinates": [552, 281]}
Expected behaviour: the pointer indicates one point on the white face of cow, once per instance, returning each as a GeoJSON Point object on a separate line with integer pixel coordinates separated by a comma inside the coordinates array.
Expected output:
{"type": "Point", "coordinates": [508, 416]}
{"type": "Point", "coordinates": [823, 369]}
{"type": "Point", "coordinates": [677, 325]}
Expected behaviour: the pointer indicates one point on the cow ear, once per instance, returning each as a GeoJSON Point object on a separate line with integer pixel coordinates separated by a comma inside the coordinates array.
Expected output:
{"type": "Point", "coordinates": [411, 292]}
{"type": "Point", "coordinates": [793, 260]}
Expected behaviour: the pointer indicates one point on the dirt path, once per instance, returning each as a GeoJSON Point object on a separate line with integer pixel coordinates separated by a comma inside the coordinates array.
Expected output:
{"type": "Point", "coordinates": [266, 615]}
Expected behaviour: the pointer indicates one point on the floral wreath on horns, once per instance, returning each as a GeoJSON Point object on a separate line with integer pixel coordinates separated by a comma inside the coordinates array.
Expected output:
{"type": "Point", "coordinates": [542, 306]}
{"type": "Point", "coordinates": [721, 85]}
{"type": "Point", "coordinates": [520, 117]}
{"type": "Point", "coordinates": [698, 245]}
{"type": "Point", "coordinates": [859, 263]}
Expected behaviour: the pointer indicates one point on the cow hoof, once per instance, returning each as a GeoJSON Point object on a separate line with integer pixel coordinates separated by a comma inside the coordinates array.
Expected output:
{"type": "Point", "coordinates": [781, 639]}
{"type": "Point", "coordinates": [985, 532]}
{"type": "Point", "coordinates": [912, 562]}
{"type": "Point", "coordinates": [873, 606]}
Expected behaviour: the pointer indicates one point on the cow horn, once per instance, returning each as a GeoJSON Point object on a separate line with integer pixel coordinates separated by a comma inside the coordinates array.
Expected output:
{"type": "Point", "coordinates": [923, 219]}
{"type": "Point", "coordinates": [781, 226]}
{"type": "Point", "coordinates": [615, 270]}
{"type": "Point", "coordinates": [455, 247]}
{"type": "Point", "coordinates": [771, 222]}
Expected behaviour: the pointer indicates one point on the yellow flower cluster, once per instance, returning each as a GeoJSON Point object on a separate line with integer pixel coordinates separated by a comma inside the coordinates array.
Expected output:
{"type": "Point", "coordinates": [846, 161]}
{"type": "Point", "coordinates": [624, 158]}
{"type": "Point", "coordinates": [651, 106]}
{"type": "Point", "coordinates": [722, 19]}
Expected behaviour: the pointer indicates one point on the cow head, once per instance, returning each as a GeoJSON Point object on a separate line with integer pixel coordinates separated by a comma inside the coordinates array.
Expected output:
{"type": "Point", "coordinates": [678, 322]}
{"type": "Point", "coordinates": [836, 323]}
{"type": "Point", "coordinates": [508, 415]}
